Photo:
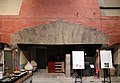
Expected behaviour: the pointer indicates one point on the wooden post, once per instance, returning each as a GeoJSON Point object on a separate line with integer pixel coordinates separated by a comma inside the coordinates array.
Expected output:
{"type": "Point", "coordinates": [67, 65]}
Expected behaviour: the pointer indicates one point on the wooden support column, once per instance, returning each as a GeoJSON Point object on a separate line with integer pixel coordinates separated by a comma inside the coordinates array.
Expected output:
{"type": "Point", "coordinates": [67, 65]}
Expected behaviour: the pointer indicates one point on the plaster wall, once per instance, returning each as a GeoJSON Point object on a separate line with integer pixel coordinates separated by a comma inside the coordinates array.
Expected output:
{"type": "Point", "coordinates": [117, 55]}
{"type": "Point", "coordinates": [117, 59]}
{"type": "Point", "coordinates": [10, 7]}
{"type": "Point", "coordinates": [23, 59]}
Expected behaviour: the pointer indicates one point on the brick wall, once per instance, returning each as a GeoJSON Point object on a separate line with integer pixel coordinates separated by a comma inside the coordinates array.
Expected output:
{"type": "Point", "coordinates": [38, 12]}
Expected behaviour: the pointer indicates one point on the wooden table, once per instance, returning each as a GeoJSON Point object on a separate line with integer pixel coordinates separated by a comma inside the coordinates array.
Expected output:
{"type": "Point", "coordinates": [26, 79]}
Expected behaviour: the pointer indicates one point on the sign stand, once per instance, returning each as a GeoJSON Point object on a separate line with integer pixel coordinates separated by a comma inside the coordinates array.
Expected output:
{"type": "Point", "coordinates": [109, 76]}
{"type": "Point", "coordinates": [80, 77]}
{"type": "Point", "coordinates": [106, 63]}
{"type": "Point", "coordinates": [78, 64]}
{"type": "Point", "coordinates": [109, 81]}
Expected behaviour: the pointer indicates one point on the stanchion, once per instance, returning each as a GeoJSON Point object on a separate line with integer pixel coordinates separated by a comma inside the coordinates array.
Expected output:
{"type": "Point", "coordinates": [109, 76]}
{"type": "Point", "coordinates": [81, 75]}
{"type": "Point", "coordinates": [78, 77]}
{"type": "Point", "coordinates": [108, 81]}
{"type": "Point", "coordinates": [104, 75]}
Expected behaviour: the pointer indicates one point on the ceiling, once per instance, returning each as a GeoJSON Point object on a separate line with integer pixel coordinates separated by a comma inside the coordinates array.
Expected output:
{"type": "Point", "coordinates": [10, 7]}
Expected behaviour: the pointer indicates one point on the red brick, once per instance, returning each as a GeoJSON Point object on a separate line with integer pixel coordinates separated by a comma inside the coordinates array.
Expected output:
{"type": "Point", "coordinates": [5, 38]}
{"type": "Point", "coordinates": [59, 8]}
{"type": "Point", "coordinates": [38, 12]}
{"type": "Point", "coordinates": [114, 39]}
{"type": "Point", "coordinates": [111, 27]}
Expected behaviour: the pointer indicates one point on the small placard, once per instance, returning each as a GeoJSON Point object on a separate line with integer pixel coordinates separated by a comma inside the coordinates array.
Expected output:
{"type": "Point", "coordinates": [92, 66]}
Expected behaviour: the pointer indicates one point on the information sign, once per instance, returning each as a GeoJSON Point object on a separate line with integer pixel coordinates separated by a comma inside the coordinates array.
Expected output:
{"type": "Point", "coordinates": [106, 59]}
{"type": "Point", "coordinates": [78, 59]}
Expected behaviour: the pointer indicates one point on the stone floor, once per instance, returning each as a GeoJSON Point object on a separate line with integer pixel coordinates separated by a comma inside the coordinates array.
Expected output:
{"type": "Point", "coordinates": [42, 76]}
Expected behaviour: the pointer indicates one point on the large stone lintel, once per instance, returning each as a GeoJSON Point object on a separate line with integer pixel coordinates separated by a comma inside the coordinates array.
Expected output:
{"type": "Point", "coordinates": [59, 32]}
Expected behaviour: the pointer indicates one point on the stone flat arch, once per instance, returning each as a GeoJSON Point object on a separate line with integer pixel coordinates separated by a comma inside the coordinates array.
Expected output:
{"type": "Point", "coordinates": [59, 32]}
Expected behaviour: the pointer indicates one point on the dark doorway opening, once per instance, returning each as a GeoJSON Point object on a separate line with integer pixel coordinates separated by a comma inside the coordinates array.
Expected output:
{"type": "Point", "coordinates": [41, 58]}
{"type": "Point", "coordinates": [43, 54]}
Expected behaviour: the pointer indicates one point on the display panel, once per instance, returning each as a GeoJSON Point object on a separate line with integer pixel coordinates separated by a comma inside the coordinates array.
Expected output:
{"type": "Point", "coordinates": [106, 59]}
{"type": "Point", "coordinates": [78, 59]}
